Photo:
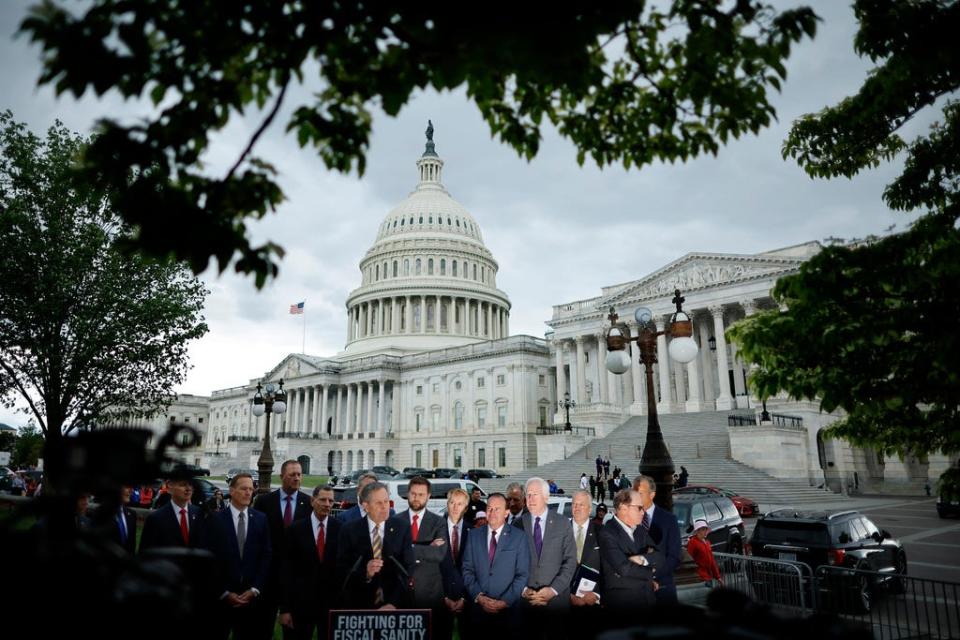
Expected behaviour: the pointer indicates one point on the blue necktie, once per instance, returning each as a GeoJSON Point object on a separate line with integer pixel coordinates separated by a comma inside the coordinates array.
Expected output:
{"type": "Point", "coordinates": [538, 537]}
{"type": "Point", "coordinates": [122, 525]}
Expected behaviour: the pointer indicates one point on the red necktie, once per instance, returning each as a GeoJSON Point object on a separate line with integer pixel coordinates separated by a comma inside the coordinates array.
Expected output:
{"type": "Point", "coordinates": [287, 512]}
{"type": "Point", "coordinates": [455, 542]}
{"type": "Point", "coordinates": [415, 530]}
{"type": "Point", "coordinates": [493, 545]}
{"type": "Point", "coordinates": [320, 542]}
{"type": "Point", "coordinates": [184, 531]}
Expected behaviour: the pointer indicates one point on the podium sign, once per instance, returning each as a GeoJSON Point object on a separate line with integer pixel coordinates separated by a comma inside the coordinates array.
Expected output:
{"type": "Point", "coordinates": [365, 624]}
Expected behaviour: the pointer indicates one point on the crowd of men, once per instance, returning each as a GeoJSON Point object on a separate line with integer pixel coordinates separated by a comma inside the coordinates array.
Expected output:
{"type": "Point", "coordinates": [284, 558]}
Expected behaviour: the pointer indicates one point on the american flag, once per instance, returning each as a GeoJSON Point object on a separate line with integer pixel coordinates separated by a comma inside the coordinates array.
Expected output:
{"type": "Point", "coordinates": [296, 309]}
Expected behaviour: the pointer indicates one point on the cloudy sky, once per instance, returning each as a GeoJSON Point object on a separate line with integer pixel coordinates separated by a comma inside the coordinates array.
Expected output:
{"type": "Point", "coordinates": [558, 230]}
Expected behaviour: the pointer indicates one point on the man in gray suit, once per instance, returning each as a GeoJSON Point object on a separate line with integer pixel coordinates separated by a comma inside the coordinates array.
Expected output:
{"type": "Point", "coordinates": [429, 546]}
{"type": "Point", "coordinates": [553, 561]}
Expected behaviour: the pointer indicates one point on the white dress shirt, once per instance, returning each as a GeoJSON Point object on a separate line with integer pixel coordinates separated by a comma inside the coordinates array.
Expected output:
{"type": "Point", "coordinates": [186, 507]}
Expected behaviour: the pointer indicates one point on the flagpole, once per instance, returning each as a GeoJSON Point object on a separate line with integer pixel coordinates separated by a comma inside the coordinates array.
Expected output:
{"type": "Point", "coordinates": [303, 345]}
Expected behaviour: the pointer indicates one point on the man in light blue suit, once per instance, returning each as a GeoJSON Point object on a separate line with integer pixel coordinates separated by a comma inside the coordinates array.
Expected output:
{"type": "Point", "coordinates": [496, 565]}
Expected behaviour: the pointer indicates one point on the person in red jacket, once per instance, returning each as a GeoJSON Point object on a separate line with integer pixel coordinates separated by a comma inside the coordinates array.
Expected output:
{"type": "Point", "coordinates": [701, 551]}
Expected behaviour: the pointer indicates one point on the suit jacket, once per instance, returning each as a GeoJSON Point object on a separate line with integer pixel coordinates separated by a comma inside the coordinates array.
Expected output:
{"type": "Point", "coordinates": [270, 505]}
{"type": "Point", "coordinates": [429, 560]}
{"type": "Point", "coordinates": [627, 584]}
{"type": "Point", "coordinates": [356, 551]}
{"type": "Point", "coordinates": [453, 578]}
{"type": "Point", "coordinates": [591, 553]}
{"type": "Point", "coordinates": [162, 528]}
{"type": "Point", "coordinates": [665, 534]}
{"type": "Point", "coordinates": [557, 562]}
{"type": "Point", "coordinates": [113, 530]}
{"type": "Point", "coordinates": [309, 585]}
{"type": "Point", "coordinates": [506, 579]}
{"type": "Point", "coordinates": [234, 573]}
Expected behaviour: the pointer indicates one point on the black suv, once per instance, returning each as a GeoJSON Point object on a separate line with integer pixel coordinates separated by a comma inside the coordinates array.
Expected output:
{"type": "Point", "coordinates": [726, 526]}
{"type": "Point", "coordinates": [833, 538]}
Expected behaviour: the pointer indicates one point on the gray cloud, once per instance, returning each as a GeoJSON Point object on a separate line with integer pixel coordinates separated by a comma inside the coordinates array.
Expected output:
{"type": "Point", "coordinates": [560, 232]}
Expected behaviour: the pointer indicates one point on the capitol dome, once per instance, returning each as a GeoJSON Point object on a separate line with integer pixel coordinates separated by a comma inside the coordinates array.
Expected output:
{"type": "Point", "coordinates": [428, 281]}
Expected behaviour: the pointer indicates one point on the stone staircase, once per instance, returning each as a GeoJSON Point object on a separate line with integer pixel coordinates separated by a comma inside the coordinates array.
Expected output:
{"type": "Point", "coordinates": [697, 441]}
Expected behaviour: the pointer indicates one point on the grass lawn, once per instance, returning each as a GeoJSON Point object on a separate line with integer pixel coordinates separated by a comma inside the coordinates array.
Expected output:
{"type": "Point", "coordinates": [308, 482]}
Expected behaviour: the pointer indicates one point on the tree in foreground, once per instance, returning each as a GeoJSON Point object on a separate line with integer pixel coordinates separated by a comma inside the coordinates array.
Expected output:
{"type": "Point", "coordinates": [626, 81]}
{"type": "Point", "coordinates": [871, 327]}
{"type": "Point", "coordinates": [87, 333]}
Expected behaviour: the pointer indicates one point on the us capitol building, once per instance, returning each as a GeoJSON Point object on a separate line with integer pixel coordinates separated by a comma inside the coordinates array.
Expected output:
{"type": "Point", "coordinates": [431, 377]}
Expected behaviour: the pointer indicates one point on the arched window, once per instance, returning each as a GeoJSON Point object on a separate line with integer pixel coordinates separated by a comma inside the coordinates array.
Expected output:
{"type": "Point", "coordinates": [431, 220]}
{"type": "Point", "coordinates": [453, 268]}
{"type": "Point", "coordinates": [378, 272]}
{"type": "Point", "coordinates": [401, 222]}
{"type": "Point", "coordinates": [466, 270]}
{"type": "Point", "coordinates": [458, 416]}
{"type": "Point", "coordinates": [430, 266]}
{"type": "Point", "coordinates": [394, 268]}
{"type": "Point", "coordinates": [458, 223]}
{"type": "Point", "coordinates": [421, 219]}
{"type": "Point", "coordinates": [384, 271]}
{"type": "Point", "coordinates": [474, 271]}
{"type": "Point", "coordinates": [483, 274]}
{"type": "Point", "coordinates": [443, 267]}
{"type": "Point", "coordinates": [417, 268]}
{"type": "Point", "coordinates": [406, 267]}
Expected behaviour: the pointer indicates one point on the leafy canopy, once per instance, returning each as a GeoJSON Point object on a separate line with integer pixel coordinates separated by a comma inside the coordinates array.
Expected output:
{"type": "Point", "coordinates": [87, 333]}
{"type": "Point", "coordinates": [870, 328]}
{"type": "Point", "coordinates": [627, 82]}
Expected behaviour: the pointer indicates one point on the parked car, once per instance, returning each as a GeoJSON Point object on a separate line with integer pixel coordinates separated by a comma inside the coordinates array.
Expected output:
{"type": "Point", "coordinates": [483, 473]}
{"type": "Point", "coordinates": [252, 472]}
{"type": "Point", "coordinates": [410, 472]}
{"type": "Point", "coordinates": [442, 472]}
{"type": "Point", "coordinates": [193, 469]}
{"type": "Point", "coordinates": [948, 504]}
{"type": "Point", "coordinates": [438, 493]}
{"type": "Point", "coordinates": [833, 538]}
{"type": "Point", "coordinates": [745, 506]}
{"type": "Point", "coordinates": [727, 533]}
{"type": "Point", "coordinates": [203, 490]}
{"type": "Point", "coordinates": [354, 477]}
{"type": "Point", "coordinates": [390, 471]}
{"type": "Point", "coordinates": [343, 499]}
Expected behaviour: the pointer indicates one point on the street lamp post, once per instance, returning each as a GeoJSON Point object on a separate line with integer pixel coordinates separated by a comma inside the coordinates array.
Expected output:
{"type": "Point", "coordinates": [274, 400]}
{"type": "Point", "coordinates": [655, 460]}
{"type": "Point", "coordinates": [565, 405]}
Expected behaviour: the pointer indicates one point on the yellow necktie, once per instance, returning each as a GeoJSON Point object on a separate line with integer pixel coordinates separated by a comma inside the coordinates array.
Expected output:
{"type": "Point", "coordinates": [579, 542]}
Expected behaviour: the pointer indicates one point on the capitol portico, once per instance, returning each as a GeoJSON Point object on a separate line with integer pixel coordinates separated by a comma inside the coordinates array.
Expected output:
{"type": "Point", "coordinates": [431, 377]}
{"type": "Point", "coordinates": [719, 289]}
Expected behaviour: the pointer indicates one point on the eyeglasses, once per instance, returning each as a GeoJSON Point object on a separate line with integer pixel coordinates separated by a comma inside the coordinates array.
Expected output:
{"type": "Point", "coordinates": [637, 506]}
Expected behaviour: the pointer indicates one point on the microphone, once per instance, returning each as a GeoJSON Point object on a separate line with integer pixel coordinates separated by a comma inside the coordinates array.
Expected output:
{"type": "Point", "coordinates": [403, 571]}
{"type": "Point", "coordinates": [350, 574]}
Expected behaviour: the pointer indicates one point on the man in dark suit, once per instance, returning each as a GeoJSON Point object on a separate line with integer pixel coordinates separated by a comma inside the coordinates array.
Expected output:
{"type": "Point", "coordinates": [456, 532]}
{"type": "Point", "coordinates": [663, 529]}
{"type": "Point", "coordinates": [496, 565]}
{"type": "Point", "coordinates": [122, 528]}
{"type": "Point", "coordinates": [553, 561]}
{"type": "Point", "coordinates": [239, 539]}
{"type": "Point", "coordinates": [630, 562]}
{"type": "Point", "coordinates": [585, 608]}
{"type": "Point", "coordinates": [357, 512]}
{"type": "Point", "coordinates": [308, 575]}
{"type": "Point", "coordinates": [375, 555]}
{"type": "Point", "coordinates": [179, 523]}
{"type": "Point", "coordinates": [431, 554]}
{"type": "Point", "coordinates": [516, 503]}
{"type": "Point", "coordinates": [282, 507]}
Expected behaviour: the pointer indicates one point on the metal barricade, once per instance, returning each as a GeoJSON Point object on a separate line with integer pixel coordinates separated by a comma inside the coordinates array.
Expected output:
{"type": "Point", "coordinates": [776, 583]}
{"type": "Point", "coordinates": [890, 605]}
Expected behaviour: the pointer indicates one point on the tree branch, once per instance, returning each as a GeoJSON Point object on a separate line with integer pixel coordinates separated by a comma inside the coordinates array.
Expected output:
{"type": "Point", "coordinates": [259, 132]}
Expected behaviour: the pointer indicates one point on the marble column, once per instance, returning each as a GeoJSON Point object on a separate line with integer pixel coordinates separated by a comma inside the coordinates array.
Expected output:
{"type": "Point", "coordinates": [338, 425]}
{"type": "Point", "coordinates": [382, 408]}
{"type": "Point", "coordinates": [322, 428]}
{"type": "Point", "coordinates": [488, 330]}
{"type": "Point", "coordinates": [294, 413]}
{"type": "Point", "coordinates": [423, 314]}
{"type": "Point", "coordinates": [315, 410]}
{"type": "Point", "coordinates": [370, 427]}
{"type": "Point", "coordinates": [602, 372]}
{"type": "Point", "coordinates": [680, 383]}
{"type": "Point", "coordinates": [451, 316]}
{"type": "Point", "coordinates": [582, 398]}
{"type": "Point", "coordinates": [408, 314]}
{"type": "Point", "coordinates": [702, 336]}
{"type": "Point", "coordinates": [637, 381]}
{"type": "Point", "coordinates": [349, 325]}
{"type": "Point", "coordinates": [724, 399]}
{"type": "Point", "coordinates": [694, 397]}
{"type": "Point", "coordinates": [663, 364]}
{"type": "Point", "coordinates": [561, 374]}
